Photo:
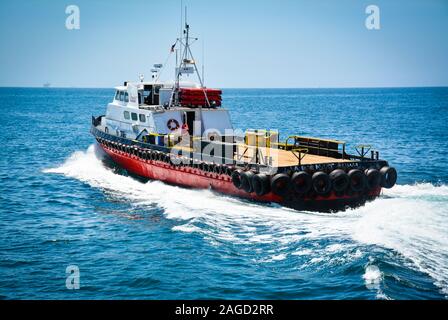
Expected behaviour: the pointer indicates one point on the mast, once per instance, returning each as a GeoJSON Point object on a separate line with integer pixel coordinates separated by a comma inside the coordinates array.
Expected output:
{"type": "Point", "coordinates": [178, 64]}
{"type": "Point", "coordinates": [203, 61]}
{"type": "Point", "coordinates": [186, 61]}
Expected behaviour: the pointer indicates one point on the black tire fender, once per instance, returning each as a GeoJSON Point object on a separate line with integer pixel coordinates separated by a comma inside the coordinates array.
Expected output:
{"type": "Point", "coordinates": [236, 178]}
{"type": "Point", "coordinates": [280, 184]}
{"type": "Point", "coordinates": [373, 178]}
{"type": "Point", "coordinates": [358, 180]}
{"type": "Point", "coordinates": [246, 181]}
{"type": "Point", "coordinates": [339, 180]}
{"type": "Point", "coordinates": [301, 182]}
{"type": "Point", "coordinates": [217, 169]}
{"type": "Point", "coordinates": [388, 177]}
{"type": "Point", "coordinates": [321, 183]}
{"type": "Point", "coordinates": [260, 184]}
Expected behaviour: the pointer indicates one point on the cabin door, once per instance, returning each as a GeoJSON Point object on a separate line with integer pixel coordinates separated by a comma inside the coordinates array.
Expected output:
{"type": "Point", "coordinates": [190, 116]}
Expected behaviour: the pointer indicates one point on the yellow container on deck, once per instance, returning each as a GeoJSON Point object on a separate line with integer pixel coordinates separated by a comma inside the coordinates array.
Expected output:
{"type": "Point", "coordinates": [261, 137]}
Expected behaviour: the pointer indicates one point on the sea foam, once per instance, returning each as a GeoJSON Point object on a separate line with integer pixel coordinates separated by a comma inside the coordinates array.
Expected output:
{"type": "Point", "coordinates": [411, 220]}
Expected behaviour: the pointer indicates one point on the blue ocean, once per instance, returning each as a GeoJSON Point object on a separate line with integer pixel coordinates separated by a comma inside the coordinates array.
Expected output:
{"type": "Point", "coordinates": [62, 203]}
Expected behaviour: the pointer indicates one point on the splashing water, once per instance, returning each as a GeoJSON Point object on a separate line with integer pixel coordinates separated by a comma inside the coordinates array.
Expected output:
{"type": "Point", "coordinates": [411, 221]}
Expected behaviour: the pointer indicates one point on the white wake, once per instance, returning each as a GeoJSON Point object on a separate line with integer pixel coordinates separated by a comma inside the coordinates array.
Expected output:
{"type": "Point", "coordinates": [412, 220]}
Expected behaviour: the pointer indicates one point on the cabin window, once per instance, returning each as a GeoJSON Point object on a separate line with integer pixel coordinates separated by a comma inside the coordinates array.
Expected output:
{"type": "Point", "coordinates": [126, 115]}
{"type": "Point", "coordinates": [142, 117]}
{"type": "Point", "coordinates": [121, 96]}
{"type": "Point", "coordinates": [147, 97]}
{"type": "Point", "coordinates": [134, 116]}
{"type": "Point", "coordinates": [126, 97]}
{"type": "Point", "coordinates": [117, 95]}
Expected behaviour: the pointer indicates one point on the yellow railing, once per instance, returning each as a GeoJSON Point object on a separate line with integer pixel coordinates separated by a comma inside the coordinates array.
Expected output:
{"type": "Point", "coordinates": [320, 146]}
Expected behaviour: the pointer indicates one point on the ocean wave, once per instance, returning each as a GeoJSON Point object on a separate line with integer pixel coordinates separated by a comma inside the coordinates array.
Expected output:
{"type": "Point", "coordinates": [410, 219]}
{"type": "Point", "coordinates": [373, 278]}
{"type": "Point", "coordinates": [417, 190]}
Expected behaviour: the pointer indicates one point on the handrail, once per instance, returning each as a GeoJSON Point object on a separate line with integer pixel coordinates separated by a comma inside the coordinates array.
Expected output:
{"type": "Point", "coordinates": [315, 144]}
{"type": "Point", "coordinates": [316, 139]}
{"type": "Point", "coordinates": [308, 147]}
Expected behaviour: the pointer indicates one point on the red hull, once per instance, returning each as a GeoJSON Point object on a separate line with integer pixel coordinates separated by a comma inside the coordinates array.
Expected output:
{"type": "Point", "coordinates": [195, 178]}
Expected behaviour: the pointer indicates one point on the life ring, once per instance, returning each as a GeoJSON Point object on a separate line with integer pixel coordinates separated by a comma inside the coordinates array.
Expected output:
{"type": "Point", "coordinates": [172, 124]}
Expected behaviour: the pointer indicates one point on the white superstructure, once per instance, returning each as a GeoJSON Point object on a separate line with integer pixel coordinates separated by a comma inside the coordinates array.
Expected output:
{"type": "Point", "coordinates": [144, 107]}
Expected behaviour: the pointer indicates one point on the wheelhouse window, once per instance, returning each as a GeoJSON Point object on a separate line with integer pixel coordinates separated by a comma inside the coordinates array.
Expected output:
{"type": "Point", "coordinates": [142, 117]}
{"type": "Point", "coordinates": [121, 96]}
{"type": "Point", "coordinates": [134, 116]}
{"type": "Point", "coordinates": [126, 115]}
{"type": "Point", "coordinates": [117, 95]}
{"type": "Point", "coordinates": [147, 96]}
{"type": "Point", "coordinates": [126, 97]}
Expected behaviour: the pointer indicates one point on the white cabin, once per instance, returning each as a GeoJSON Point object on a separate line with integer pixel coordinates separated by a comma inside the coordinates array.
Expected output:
{"type": "Point", "coordinates": [146, 107]}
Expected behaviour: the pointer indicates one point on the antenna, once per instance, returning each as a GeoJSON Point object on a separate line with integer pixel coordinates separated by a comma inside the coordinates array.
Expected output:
{"type": "Point", "coordinates": [186, 60]}
{"type": "Point", "coordinates": [181, 23]}
{"type": "Point", "coordinates": [203, 60]}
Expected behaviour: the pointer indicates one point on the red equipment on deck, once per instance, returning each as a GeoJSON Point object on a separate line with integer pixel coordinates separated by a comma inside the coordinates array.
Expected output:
{"type": "Point", "coordinates": [191, 97]}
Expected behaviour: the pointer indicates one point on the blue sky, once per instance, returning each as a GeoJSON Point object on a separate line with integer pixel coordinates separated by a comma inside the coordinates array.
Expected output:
{"type": "Point", "coordinates": [264, 43]}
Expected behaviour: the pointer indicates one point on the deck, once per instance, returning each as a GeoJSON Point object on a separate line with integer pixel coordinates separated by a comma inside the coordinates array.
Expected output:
{"type": "Point", "coordinates": [280, 157]}
{"type": "Point", "coordinates": [283, 158]}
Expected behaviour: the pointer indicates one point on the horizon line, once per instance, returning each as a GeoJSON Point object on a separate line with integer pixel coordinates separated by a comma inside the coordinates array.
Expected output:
{"type": "Point", "coordinates": [244, 88]}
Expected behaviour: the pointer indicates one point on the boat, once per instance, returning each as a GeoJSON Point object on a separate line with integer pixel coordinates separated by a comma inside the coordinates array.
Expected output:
{"type": "Point", "coordinates": [180, 133]}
